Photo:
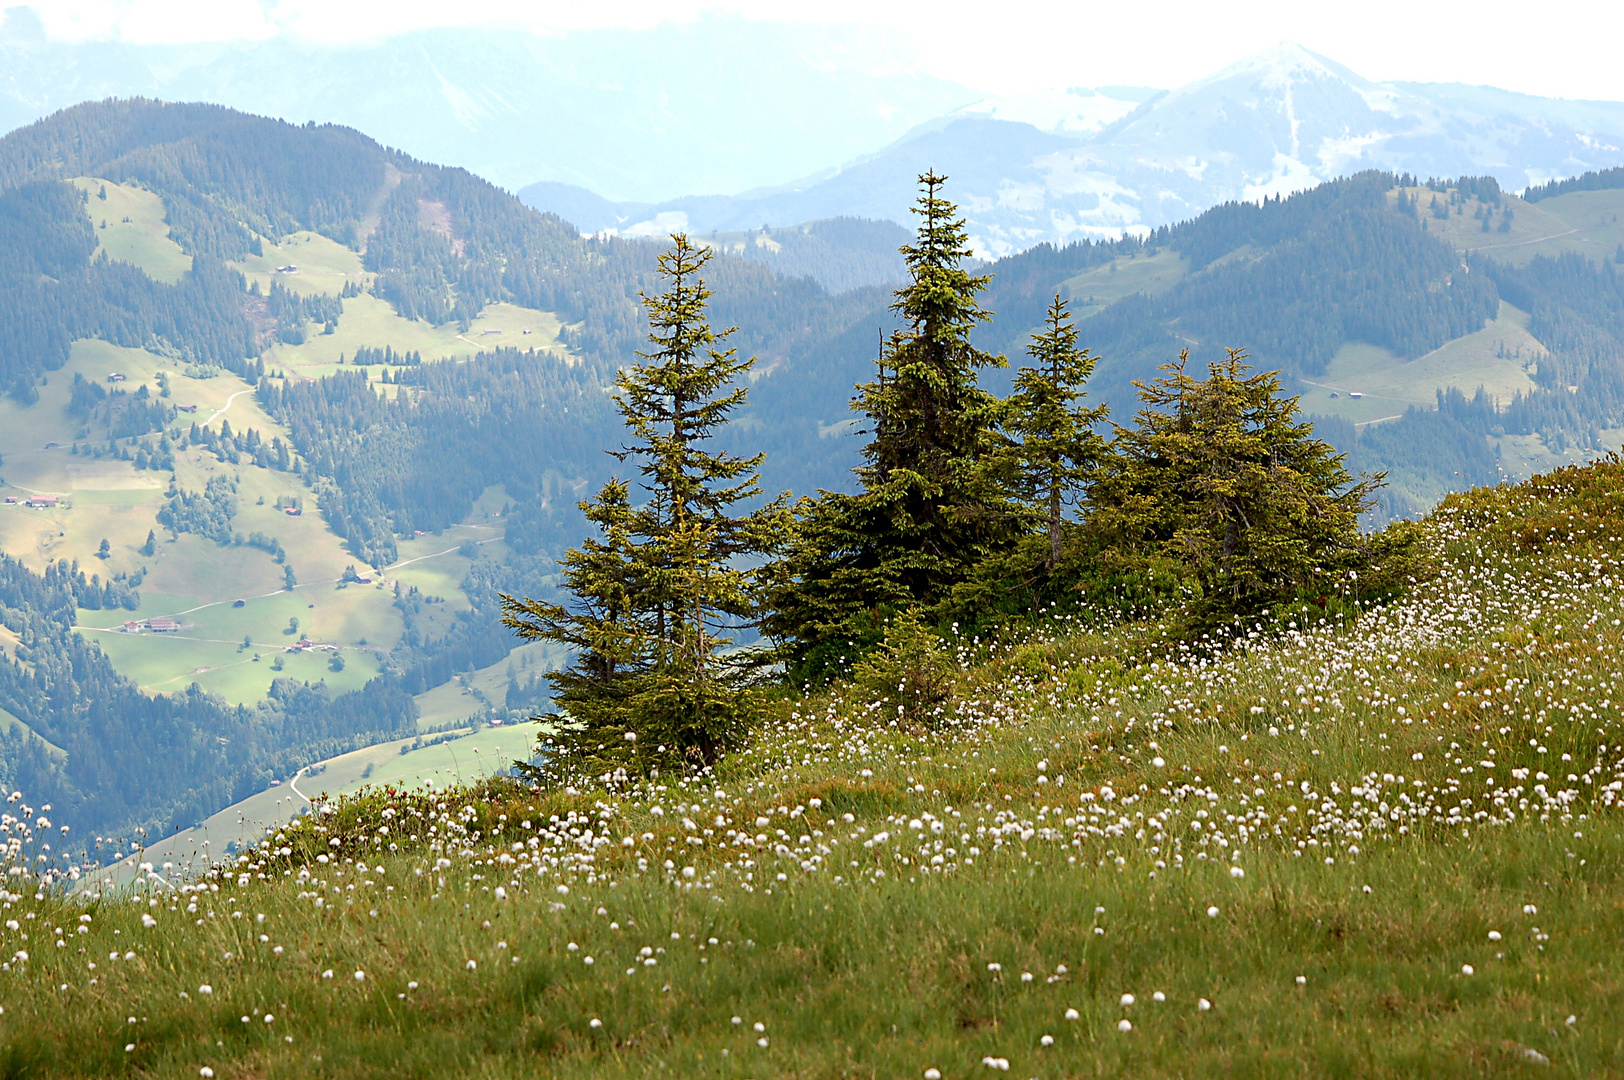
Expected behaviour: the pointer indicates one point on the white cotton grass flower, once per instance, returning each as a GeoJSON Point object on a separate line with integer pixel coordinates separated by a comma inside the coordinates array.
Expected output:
{"type": "Point", "coordinates": [1530, 909]}
{"type": "Point", "coordinates": [1071, 1014]}
{"type": "Point", "coordinates": [933, 1074]}
{"type": "Point", "coordinates": [1212, 912]}
{"type": "Point", "coordinates": [1047, 1040]}
{"type": "Point", "coordinates": [205, 1072]}
{"type": "Point", "coordinates": [1026, 976]}
{"type": "Point", "coordinates": [1158, 996]}
{"type": "Point", "coordinates": [1124, 1026]}
{"type": "Point", "coordinates": [1236, 872]}
{"type": "Point", "coordinates": [205, 989]}
{"type": "Point", "coordinates": [1302, 980]}
{"type": "Point", "coordinates": [360, 976]}
{"type": "Point", "coordinates": [328, 974]}
{"type": "Point", "coordinates": [996, 1063]}
{"type": "Point", "coordinates": [1467, 969]}
{"type": "Point", "coordinates": [1494, 935]}
{"type": "Point", "coordinates": [1127, 999]}
{"type": "Point", "coordinates": [595, 1023]}
{"type": "Point", "coordinates": [1203, 1005]}
{"type": "Point", "coordinates": [473, 965]}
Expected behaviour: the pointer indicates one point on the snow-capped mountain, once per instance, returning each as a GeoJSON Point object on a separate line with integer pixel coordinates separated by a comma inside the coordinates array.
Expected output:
{"type": "Point", "coordinates": [1072, 166]}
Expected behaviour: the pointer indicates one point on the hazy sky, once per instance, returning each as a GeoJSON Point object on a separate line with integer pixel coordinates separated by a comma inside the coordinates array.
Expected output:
{"type": "Point", "coordinates": [1558, 48]}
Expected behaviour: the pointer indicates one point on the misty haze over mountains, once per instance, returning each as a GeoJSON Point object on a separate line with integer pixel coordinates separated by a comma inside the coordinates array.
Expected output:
{"type": "Point", "coordinates": [1277, 122]}
{"type": "Point", "coordinates": [727, 124]}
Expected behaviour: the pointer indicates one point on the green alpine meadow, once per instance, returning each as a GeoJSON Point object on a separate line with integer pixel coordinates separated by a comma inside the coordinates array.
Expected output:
{"type": "Point", "coordinates": [1064, 745]}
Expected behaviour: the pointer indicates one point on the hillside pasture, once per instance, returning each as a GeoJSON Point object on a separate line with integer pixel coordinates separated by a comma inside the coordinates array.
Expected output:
{"type": "Point", "coordinates": [1095, 290]}
{"type": "Point", "coordinates": [1497, 358]}
{"type": "Point", "coordinates": [132, 226]}
{"type": "Point", "coordinates": [1588, 223]}
{"type": "Point", "coordinates": [324, 265]}
{"type": "Point", "coordinates": [370, 322]}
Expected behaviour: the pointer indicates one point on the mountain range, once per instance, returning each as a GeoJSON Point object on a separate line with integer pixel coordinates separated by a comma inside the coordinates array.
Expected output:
{"type": "Point", "coordinates": [1101, 165]}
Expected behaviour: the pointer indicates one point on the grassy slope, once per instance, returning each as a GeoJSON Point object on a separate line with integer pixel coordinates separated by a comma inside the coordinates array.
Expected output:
{"type": "Point", "coordinates": [1096, 289]}
{"type": "Point", "coordinates": [1391, 385]}
{"type": "Point", "coordinates": [131, 227]}
{"type": "Point", "coordinates": [1423, 805]}
{"type": "Point", "coordinates": [1586, 222]}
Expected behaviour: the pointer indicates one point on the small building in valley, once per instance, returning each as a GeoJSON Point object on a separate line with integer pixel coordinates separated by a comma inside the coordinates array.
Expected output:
{"type": "Point", "coordinates": [163, 624]}
{"type": "Point", "coordinates": [43, 502]}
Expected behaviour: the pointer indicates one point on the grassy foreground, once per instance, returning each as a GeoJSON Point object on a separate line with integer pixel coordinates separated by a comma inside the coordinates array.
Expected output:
{"type": "Point", "coordinates": [1387, 845]}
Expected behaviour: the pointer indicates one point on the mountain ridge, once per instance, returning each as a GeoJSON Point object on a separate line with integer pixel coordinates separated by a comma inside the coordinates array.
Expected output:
{"type": "Point", "coordinates": [1273, 123]}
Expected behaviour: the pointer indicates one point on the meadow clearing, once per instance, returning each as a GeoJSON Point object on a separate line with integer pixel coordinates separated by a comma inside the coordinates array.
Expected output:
{"type": "Point", "coordinates": [1385, 844]}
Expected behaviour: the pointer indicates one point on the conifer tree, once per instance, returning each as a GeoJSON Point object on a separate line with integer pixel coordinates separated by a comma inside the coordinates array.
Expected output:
{"type": "Point", "coordinates": [1052, 457]}
{"type": "Point", "coordinates": [1058, 450]}
{"type": "Point", "coordinates": [930, 507]}
{"type": "Point", "coordinates": [656, 593]}
{"type": "Point", "coordinates": [1223, 477]}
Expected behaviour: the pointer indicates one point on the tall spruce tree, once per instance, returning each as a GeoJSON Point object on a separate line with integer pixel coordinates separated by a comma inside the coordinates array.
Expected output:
{"type": "Point", "coordinates": [1053, 455]}
{"type": "Point", "coordinates": [930, 508]}
{"type": "Point", "coordinates": [1222, 477]}
{"type": "Point", "coordinates": [658, 592]}
{"type": "Point", "coordinates": [1058, 450]}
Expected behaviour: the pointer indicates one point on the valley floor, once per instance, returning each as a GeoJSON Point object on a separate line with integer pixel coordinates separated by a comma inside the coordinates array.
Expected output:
{"type": "Point", "coordinates": [1382, 846]}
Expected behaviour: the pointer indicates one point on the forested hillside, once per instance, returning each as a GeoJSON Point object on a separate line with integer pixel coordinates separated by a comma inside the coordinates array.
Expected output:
{"type": "Point", "coordinates": [108, 757]}
{"type": "Point", "coordinates": [388, 437]}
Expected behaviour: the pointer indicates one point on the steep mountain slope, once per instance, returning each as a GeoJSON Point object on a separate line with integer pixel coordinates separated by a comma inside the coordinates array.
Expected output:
{"type": "Point", "coordinates": [1274, 123]}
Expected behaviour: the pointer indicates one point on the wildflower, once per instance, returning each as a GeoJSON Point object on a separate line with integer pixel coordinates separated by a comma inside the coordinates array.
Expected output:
{"type": "Point", "coordinates": [1236, 872]}
{"type": "Point", "coordinates": [1212, 913]}
{"type": "Point", "coordinates": [205, 989]}
{"type": "Point", "coordinates": [595, 1023]}
{"type": "Point", "coordinates": [998, 1063]}
{"type": "Point", "coordinates": [1466, 969]}
{"type": "Point", "coordinates": [1124, 1026]}
{"type": "Point", "coordinates": [205, 1072]}
{"type": "Point", "coordinates": [148, 921]}
{"type": "Point", "coordinates": [1203, 1005]}
{"type": "Point", "coordinates": [1047, 1040]}
{"type": "Point", "coordinates": [1302, 980]}
{"type": "Point", "coordinates": [1127, 999]}
{"type": "Point", "coordinates": [1530, 909]}
{"type": "Point", "coordinates": [1071, 1014]}
{"type": "Point", "coordinates": [933, 1074]}
{"type": "Point", "coordinates": [501, 893]}
{"type": "Point", "coordinates": [1494, 935]}
{"type": "Point", "coordinates": [1158, 996]}
{"type": "Point", "coordinates": [328, 974]}
{"type": "Point", "coordinates": [762, 1042]}
{"type": "Point", "coordinates": [472, 965]}
{"type": "Point", "coordinates": [360, 976]}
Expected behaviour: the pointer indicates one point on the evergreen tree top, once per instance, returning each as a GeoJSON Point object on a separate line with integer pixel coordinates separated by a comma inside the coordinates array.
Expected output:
{"type": "Point", "coordinates": [939, 301]}
{"type": "Point", "coordinates": [673, 398]}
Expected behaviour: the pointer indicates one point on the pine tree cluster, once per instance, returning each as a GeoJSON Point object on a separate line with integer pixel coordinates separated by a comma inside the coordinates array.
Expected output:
{"type": "Point", "coordinates": [971, 511]}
